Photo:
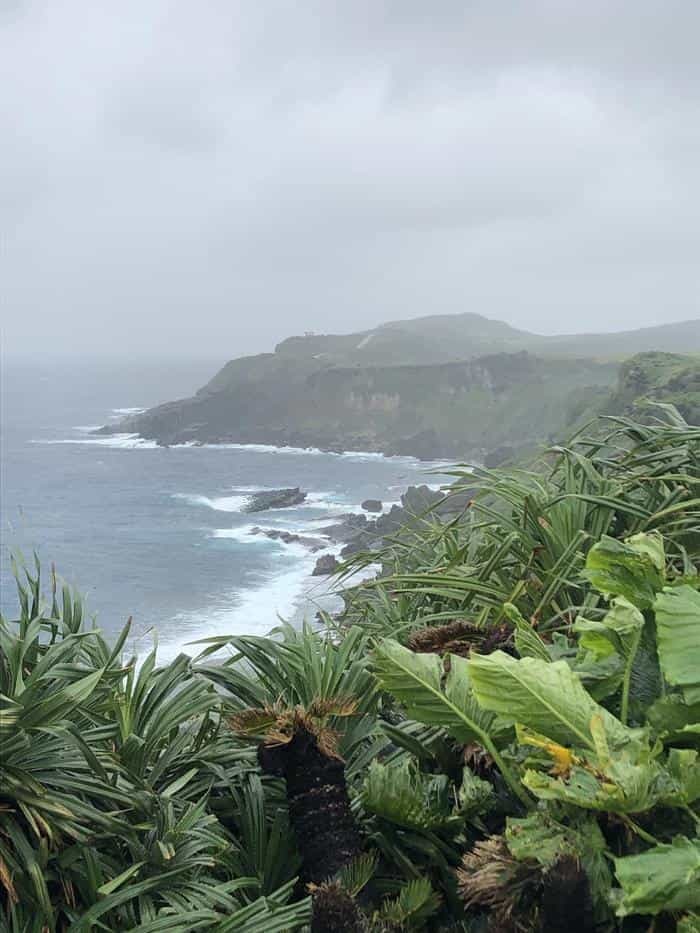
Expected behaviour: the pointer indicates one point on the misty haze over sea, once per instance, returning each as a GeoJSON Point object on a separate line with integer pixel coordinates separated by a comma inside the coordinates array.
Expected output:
{"type": "Point", "coordinates": [158, 533]}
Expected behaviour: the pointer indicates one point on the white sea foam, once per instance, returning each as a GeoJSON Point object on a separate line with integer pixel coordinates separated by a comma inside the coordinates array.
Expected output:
{"type": "Point", "coordinates": [356, 455]}
{"type": "Point", "coordinates": [127, 411]}
{"type": "Point", "coordinates": [254, 612]}
{"type": "Point", "coordinates": [266, 449]}
{"type": "Point", "coordinates": [219, 503]}
{"type": "Point", "coordinates": [245, 534]}
{"type": "Point", "coordinates": [120, 441]}
{"type": "Point", "coordinates": [329, 502]}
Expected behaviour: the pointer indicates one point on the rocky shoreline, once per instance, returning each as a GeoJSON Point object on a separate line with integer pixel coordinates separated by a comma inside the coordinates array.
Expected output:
{"type": "Point", "coordinates": [425, 445]}
{"type": "Point", "coordinates": [352, 532]}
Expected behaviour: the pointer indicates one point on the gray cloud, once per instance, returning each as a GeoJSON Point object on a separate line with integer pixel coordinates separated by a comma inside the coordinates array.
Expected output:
{"type": "Point", "coordinates": [211, 177]}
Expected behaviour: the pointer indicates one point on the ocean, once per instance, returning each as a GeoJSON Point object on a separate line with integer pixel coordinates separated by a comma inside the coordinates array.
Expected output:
{"type": "Point", "coordinates": [159, 534]}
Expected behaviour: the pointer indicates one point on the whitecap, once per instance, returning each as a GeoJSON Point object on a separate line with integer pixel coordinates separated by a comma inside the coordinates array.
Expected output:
{"type": "Point", "coordinates": [242, 534]}
{"type": "Point", "coordinates": [254, 612]}
{"type": "Point", "coordinates": [266, 449]}
{"type": "Point", "coordinates": [120, 441]}
{"type": "Point", "coordinates": [128, 411]}
{"type": "Point", "coordinates": [246, 534]}
{"type": "Point", "coordinates": [219, 503]}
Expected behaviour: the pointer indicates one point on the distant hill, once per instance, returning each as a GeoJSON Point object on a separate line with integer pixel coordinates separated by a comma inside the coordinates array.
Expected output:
{"type": "Point", "coordinates": [439, 386]}
{"type": "Point", "coordinates": [445, 338]}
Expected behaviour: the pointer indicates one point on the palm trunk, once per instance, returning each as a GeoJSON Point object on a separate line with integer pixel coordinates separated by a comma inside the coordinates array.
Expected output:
{"type": "Point", "coordinates": [319, 807]}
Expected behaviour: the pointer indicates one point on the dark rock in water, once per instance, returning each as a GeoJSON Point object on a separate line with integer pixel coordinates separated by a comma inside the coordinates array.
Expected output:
{"type": "Point", "coordinates": [288, 537]}
{"type": "Point", "coordinates": [363, 541]}
{"type": "Point", "coordinates": [346, 528]}
{"type": "Point", "coordinates": [372, 505]}
{"type": "Point", "coordinates": [274, 499]}
{"type": "Point", "coordinates": [325, 565]}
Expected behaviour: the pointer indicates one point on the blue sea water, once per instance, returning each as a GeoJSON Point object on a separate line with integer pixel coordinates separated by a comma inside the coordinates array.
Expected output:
{"type": "Point", "coordinates": [159, 533]}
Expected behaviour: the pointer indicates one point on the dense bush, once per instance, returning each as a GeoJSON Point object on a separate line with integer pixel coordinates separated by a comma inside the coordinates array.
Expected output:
{"type": "Point", "coordinates": [501, 733]}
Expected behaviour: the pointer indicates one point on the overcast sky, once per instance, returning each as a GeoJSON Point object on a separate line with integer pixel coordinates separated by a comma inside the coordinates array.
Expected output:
{"type": "Point", "coordinates": [208, 177]}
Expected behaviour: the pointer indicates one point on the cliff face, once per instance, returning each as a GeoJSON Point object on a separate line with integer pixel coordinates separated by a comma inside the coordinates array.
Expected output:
{"type": "Point", "coordinates": [441, 410]}
{"type": "Point", "coordinates": [670, 378]}
{"type": "Point", "coordinates": [441, 386]}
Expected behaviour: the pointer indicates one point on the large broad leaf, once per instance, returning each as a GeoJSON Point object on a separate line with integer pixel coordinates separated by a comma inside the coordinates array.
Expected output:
{"type": "Point", "coordinates": [601, 675]}
{"type": "Point", "coordinates": [627, 569]}
{"type": "Point", "coordinates": [416, 680]}
{"type": "Point", "coordinates": [672, 719]}
{"type": "Point", "coordinates": [620, 628]}
{"type": "Point", "coordinates": [546, 697]}
{"type": "Point", "coordinates": [664, 878]}
{"type": "Point", "coordinates": [618, 786]}
{"type": "Point", "coordinates": [684, 768]}
{"type": "Point", "coordinates": [678, 637]}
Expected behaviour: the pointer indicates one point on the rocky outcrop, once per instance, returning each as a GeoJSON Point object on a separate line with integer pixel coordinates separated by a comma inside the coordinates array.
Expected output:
{"type": "Point", "coordinates": [289, 537]}
{"type": "Point", "coordinates": [274, 499]}
{"type": "Point", "coordinates": [372, 505]}
{"type": "Point", "coordinates": [325, 565]}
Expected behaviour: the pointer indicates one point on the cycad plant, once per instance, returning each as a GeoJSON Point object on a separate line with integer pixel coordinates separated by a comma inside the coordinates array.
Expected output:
{"type": "Point", "coordinates": [300, 746]}
{"type": "Point", "coordinates": [500, 733]}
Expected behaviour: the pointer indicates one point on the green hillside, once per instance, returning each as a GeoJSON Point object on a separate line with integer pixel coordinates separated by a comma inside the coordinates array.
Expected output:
{"type": "Point", "coordinates": [452, 337]}
{"type": "Point", "coordinates": [443, 386]}
{"type": "Point", "coordinates": [664, 377]}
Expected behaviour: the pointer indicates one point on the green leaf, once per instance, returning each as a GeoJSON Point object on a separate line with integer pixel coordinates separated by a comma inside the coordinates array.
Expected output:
{"type": "Point", "coordinates": [357, 874]}
{"type": "Point", "coordinates": [600, 676]}
{"type": "Point", "coordinates": [475, 795]}
{"type": "Point", "coordinates": [684, 768]}
{"type": "Point", "coordinates": [416, 681]}
{"type": "Point", "coordinates": [652, 545]}
{"type": "Point", "coordinates": [527, 642]}
{"type": "Point", "coordinates": [110, 886]}
{"type": "Point", "coordinates": [625, 569]}
{"type": "Point", "coordinates": [402, 795]}
{"type": "Point", "coordinates": [665, 878]}
{"type": "Point", "coordinates": [670, 717]}
{"type": "Point", "coordinates": [678, 637]}
{"type": "Point", "coordinates": [543, 839]}
{"type": "Point", "coordinates": [548, 698]}
{"type": "Point", "coordinates": [617, 786]}
{"type": "Point", "coordinates": [416, 903]}
{"type": "Point", "coordinates": [689, 924]}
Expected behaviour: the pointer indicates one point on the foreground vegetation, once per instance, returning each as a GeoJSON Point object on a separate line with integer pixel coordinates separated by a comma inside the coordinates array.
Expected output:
{"type": "Point", "coordinates": [501, 733]}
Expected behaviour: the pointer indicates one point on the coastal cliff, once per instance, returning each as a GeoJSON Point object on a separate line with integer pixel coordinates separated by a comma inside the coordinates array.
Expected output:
{"type": "Point", "coordinates": [433, 411]}
{"type": "Point", "coordinates": [426, 388]}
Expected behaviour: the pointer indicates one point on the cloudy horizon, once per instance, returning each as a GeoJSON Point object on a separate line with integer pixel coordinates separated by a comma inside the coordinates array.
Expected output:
{"type": "Point", "coordinates": [209, 178]}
